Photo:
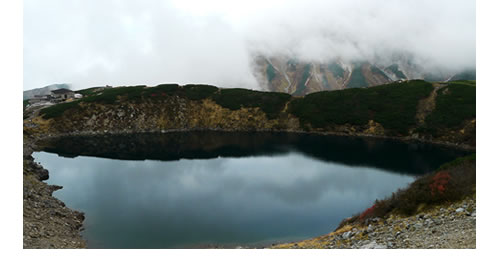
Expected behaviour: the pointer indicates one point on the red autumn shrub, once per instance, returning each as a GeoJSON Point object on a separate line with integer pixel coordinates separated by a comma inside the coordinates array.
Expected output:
{"type": "Point", "coordinates": [367, 212]}
{"type": "Point", "coordinates": [439, 182]}
{"type": "Point", "coordinates": [430, 189]}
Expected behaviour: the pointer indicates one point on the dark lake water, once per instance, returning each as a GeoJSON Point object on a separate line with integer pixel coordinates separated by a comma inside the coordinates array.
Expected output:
{"type": "Point", "coordinates": [198, 189]}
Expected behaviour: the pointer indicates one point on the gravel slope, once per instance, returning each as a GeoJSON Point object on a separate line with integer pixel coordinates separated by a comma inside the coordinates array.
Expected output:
{"type": "Point", "coordinates": [446, 226]}
{"type": "Point", "coordinates": [47, 222]}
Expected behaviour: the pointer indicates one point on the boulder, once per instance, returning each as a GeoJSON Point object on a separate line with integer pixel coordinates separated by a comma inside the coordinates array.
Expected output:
{"type": "Point", "coordinates": [373, 245]}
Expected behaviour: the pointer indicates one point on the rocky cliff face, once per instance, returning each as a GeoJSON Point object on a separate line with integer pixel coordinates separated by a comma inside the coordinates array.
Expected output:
{"type": "Point", "coordinates": [171, 113]}
{"type": "Point", "coordinates": [284, 74]}
{"type": "Point", "coordinates": [175, 112]}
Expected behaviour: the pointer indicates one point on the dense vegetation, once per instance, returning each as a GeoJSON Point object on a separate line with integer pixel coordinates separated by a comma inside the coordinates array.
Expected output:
{"type": "Point", "coordinates": [270, 102]}
{"type": "Point", "coordinates": [392, 105]}
{"type": "Point", "coordinates": [91, 90]}
{"type": "Point", "coordinates": [357, 78]}
{"type": "Point", "coordinates": [135, 93]}
{"type": "Point", "coordinates": [58, 109]}
{"type": "Point", "coordinates": [455, 104]}
{"type": "Point", "coordinates": [132, 94]}
{"type": "Point", "coordinates": [190, 91]}
{"type": "Point", "coordinates": [451, 182]}
{"type": "Point", "coordinates": [110, 96]}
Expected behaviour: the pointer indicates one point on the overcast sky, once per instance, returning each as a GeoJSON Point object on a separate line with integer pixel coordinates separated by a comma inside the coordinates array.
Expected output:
{"type": "Point", "coordinates": [110, 42]}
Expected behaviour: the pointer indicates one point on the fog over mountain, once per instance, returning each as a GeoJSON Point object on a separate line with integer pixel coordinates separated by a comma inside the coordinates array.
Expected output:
{"type": "Point", "coordinates": [90, 43]}
{"type": "Point", "coordinates": [28, 94]}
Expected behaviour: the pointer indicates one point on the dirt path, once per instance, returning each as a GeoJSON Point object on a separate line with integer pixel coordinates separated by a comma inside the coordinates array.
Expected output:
{"type": "Point", "coordinates": [428, 104]}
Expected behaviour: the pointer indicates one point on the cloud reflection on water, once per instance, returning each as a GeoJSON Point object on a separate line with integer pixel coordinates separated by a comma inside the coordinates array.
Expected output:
{"type": "Point", "coordinates": [223, 200]}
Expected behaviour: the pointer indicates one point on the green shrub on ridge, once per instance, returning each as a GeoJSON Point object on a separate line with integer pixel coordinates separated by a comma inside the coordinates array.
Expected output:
{"type": "Point", "coordinates": [58, 109]}
{"type": "Point", "coordinates": [455, 104]}
{"type": "Point", "coordinates": [270, 102]}
{"type": "Point", "coordinates": [451, 182]}
{"type": "Point", "coordinates": [392, 105]}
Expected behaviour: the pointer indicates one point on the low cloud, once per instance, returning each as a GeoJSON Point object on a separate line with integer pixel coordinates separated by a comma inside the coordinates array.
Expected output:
{"type": "Point", "coordinates": [90, 43]}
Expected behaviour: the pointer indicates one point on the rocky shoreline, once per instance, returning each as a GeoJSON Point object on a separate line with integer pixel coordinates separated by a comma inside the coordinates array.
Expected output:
{"type": "Point", "coordinates": [447, 226]}
{"type": "Point", "coordinates": [47, 222]}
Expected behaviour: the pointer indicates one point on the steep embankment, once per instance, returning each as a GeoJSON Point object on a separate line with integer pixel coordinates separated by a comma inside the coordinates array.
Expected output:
{"type": "Point", "coordinates": [414, 110]}
{"type": "Point", "coordinates": [47, 222]}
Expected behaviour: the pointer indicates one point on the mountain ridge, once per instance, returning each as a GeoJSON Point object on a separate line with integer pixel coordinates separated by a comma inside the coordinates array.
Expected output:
{"type": "Point", "coordinates": [289, 75]}
{"type": "Point", "coordinates": [435, 112]}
